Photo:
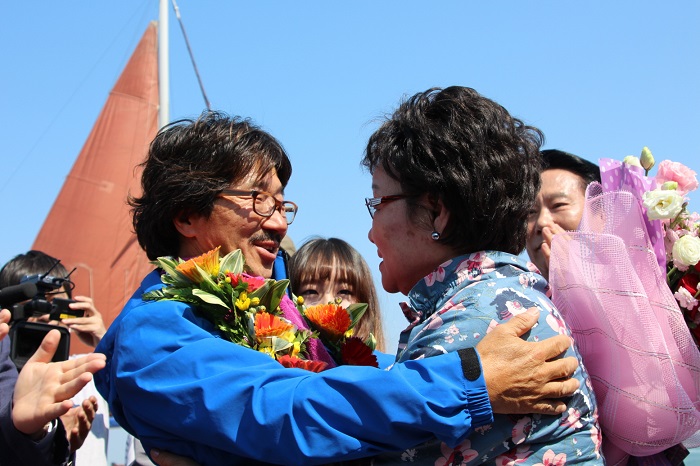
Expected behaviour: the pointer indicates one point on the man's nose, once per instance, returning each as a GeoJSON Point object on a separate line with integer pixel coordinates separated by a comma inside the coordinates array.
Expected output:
{"type": "Point", "coordinates": [276, 222]}
{"type": "Point", "coordinates": [543, 219]}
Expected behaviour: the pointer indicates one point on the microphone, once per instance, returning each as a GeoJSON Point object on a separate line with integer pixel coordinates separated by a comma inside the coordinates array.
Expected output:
{"type": "Point", "coordinates": [17, 293]}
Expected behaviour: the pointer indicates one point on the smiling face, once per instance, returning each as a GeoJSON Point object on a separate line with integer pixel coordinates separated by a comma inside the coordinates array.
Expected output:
{"type": "Point", "coordinates": [560, 201]}
{"type": "Point", "coordinates": [405, 246]}
{"type": "Point", "coordinates": [234, 225]}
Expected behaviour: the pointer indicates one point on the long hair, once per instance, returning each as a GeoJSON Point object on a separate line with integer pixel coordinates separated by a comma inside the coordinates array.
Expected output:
{"type": "Point", "coordinates": [319, 258]}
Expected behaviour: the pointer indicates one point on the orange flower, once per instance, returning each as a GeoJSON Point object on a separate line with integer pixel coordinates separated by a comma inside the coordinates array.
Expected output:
{"type": "Point", "coordinates": [209, 262]}
{"type": "Point", "coordinates": [268, 325]}
{"type": "Point", "coordinates": [355, 353]}
{"type": "Point", "coordinates": [313, 366]}
{"type": "Point", "coordinates": [331, 320]}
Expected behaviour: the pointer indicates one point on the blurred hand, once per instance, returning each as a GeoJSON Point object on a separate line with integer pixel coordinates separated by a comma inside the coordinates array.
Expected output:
{"type": "Point", "coordinates": [44, 389]}
{"type": "Point", "coordinates": [164, 458]}
{"type": "Point", "coordinates": [78, 421]}
{"type": "Point", "coordinates": [521, 376]}
{"type": "Point", "coordinates": [4, 319]}
{"type": "Point", "coordinates": [91, 327]}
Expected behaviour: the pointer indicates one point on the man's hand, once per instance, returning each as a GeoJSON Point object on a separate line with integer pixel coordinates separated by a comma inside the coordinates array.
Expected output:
{"type": "Point", "coordinates": [164, 458]}
{"type": "Point", "coordinates": [4, 319]}
{"type": "Point", "coordinates": [78, 421]}
{"type": "Point", "coordinates": [91, 327]}
{"type": "Point", "coordinates": [548, 233]}
{"type": "Point", "coordinates": [521, 376]}
{"type": "Point", "coordinates": [44, 389]}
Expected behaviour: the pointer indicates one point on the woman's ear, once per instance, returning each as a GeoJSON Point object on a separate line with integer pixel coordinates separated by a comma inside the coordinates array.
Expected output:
{"type": "Point", "coordinates": [441, 216]}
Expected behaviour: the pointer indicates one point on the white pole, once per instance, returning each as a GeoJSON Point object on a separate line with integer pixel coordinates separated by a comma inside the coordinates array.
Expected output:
{"type": "Point", "coordinates": [163, 65]}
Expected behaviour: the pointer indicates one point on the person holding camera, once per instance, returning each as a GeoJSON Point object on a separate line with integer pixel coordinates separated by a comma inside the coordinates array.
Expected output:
{"type": "Point", "coordinates": [89, 326]}
{"type": "Point", "coordinates": [49, 308]}
{"type": "Point", "coordinates": [38, 425]}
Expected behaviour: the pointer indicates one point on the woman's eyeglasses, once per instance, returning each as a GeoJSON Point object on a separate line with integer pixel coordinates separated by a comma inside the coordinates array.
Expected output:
{"type": "Point", "coordinates": [373, 202]}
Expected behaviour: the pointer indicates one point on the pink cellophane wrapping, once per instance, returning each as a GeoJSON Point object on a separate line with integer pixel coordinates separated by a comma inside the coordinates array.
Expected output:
{"type": "Point", "coordinates": [643, 364]}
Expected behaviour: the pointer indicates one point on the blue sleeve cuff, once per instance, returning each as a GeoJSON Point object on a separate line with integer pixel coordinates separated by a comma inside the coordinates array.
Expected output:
{"type": "Point", "coordinates": [475, 386]}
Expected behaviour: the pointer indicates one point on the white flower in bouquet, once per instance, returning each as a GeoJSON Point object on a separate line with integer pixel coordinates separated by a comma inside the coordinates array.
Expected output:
{"type": "Point", "coordinates": [686, 252]}
{"type": "Point", "coordinates": [662, 204]}
{"type": "Point", "coordinates": [685, 299]}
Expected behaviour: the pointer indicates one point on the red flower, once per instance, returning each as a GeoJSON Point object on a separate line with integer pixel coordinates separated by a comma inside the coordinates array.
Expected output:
{"type": "Point", "coordinates": [331, 320]}
{"type": "Point", "coordinates": [313, 366]}
{"type": "Point", "coordinates": [253, 282]}
{"type": "Point", "coordinates": [355, 353]}
{"type": "Point", "coordinates": [689, 281]}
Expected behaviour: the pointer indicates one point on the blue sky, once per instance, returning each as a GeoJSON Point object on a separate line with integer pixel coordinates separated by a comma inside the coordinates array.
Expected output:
{"type": "Point", "coordinates": [601, 79]}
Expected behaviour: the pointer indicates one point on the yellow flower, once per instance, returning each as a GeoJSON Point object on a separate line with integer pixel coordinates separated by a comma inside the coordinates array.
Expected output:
{"type": "Point", "coordinates": [288, 335]}
{"type": "Point", "coordinates": [255, 301]}
{"type": "Point", "coordinates": [267, 349]}
{"type": "Point", "coordinates": [296, 349]}
{"type": "Point", "coordinates": [300, 300]}
{"type": "Point", "coordinates": [209, 262]}
{"type": "Point", "coordinates": [243, 302]}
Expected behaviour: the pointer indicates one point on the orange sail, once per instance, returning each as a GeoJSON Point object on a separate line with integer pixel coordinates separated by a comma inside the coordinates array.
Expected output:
{"type": "Point", "coordinates": [89, 226]}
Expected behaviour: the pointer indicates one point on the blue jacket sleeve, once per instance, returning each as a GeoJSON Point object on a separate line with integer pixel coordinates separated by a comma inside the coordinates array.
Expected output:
{"type": "Point", "coordinates": [177, 386]}
{"type": "Point", "coordinates": [16, 447]}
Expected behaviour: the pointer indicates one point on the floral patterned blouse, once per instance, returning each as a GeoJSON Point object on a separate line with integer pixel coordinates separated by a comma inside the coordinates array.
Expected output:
{"type": "Point", "coordinates": [452, 308]}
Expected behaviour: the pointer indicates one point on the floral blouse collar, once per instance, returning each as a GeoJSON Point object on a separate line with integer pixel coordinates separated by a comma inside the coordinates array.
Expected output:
{"type": "Point", "coordinates": [460, 272]}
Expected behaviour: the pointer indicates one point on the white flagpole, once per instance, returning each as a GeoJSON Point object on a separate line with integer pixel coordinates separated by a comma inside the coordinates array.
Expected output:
{"type": "Point", "coordinates": [163, 65]}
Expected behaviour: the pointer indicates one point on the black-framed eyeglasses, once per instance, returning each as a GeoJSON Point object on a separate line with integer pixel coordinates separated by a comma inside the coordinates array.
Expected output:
{"type": "Point", "coordinates": [265, 204]}
{"type": "Point", "coordinates": [373, 202]}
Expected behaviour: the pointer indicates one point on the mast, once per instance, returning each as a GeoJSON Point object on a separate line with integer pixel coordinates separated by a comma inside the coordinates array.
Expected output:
{"type": "Point", "coordinates": [163, 65]}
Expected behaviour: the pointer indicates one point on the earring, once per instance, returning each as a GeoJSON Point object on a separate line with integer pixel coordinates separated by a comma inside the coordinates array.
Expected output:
{"type": "Point", "coordinates": [435, 235]}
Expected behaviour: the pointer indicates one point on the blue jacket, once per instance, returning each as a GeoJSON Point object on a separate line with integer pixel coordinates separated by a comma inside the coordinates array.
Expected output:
{"type": "Point", "coordinates": [174, 383]}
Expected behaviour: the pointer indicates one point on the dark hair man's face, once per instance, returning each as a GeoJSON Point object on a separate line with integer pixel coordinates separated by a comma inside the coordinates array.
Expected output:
{"type": "Point", "coordinates": [560, 202]}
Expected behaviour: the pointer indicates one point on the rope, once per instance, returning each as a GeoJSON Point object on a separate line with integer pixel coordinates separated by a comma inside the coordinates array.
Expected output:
{"type": "Point", "coordinates": [189, 50]}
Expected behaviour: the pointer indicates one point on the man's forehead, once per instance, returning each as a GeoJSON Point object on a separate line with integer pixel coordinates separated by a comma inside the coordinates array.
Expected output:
{"type": "Point", "coordinates": [559, 182]}
{"type": "Point", "coordinates": [262, 180]}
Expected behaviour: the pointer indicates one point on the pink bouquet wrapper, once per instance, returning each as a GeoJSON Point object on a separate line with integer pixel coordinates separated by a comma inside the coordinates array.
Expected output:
{"type": "Point", "coordinates": [618, 176]}
{"type": "Point", "coordinates": [635, 345]}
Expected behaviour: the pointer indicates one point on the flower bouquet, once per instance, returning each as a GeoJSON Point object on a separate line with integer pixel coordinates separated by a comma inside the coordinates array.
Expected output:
{"type": "Point", "coordinates": [609, 280]}
{"type": "Point", "coordinates": [254, 312]}
{"type": "Point", "coordinates": [667, 203]}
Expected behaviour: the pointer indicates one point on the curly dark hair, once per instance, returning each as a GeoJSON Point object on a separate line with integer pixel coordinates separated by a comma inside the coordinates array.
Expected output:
{"type": "Point", "coordinates": [189, 163]}
{"type": "Point", "coordinates": [466, 150]}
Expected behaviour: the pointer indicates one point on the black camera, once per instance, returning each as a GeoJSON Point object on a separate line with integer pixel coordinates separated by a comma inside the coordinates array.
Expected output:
{"type": "Point", "coordinates": [29, 299]}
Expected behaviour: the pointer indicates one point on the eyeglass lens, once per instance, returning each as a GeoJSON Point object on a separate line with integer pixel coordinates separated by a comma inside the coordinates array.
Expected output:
{"type": "Point", "coordinates": [265, 206]}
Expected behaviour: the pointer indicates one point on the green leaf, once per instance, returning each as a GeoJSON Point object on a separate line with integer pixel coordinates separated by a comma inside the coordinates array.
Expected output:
{"type": "Point", "coordinates": [276, 293]}
{"type": "Point", "coordinates": [356, 312]}
{"type": "Point", "coordinates": [209, 298]}
{"type": "Point", "coordinates": [232, 262]}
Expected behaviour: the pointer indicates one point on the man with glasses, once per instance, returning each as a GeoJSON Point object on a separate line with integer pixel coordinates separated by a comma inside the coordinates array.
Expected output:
{"type": "Point", "coordinates": [172, 381]}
